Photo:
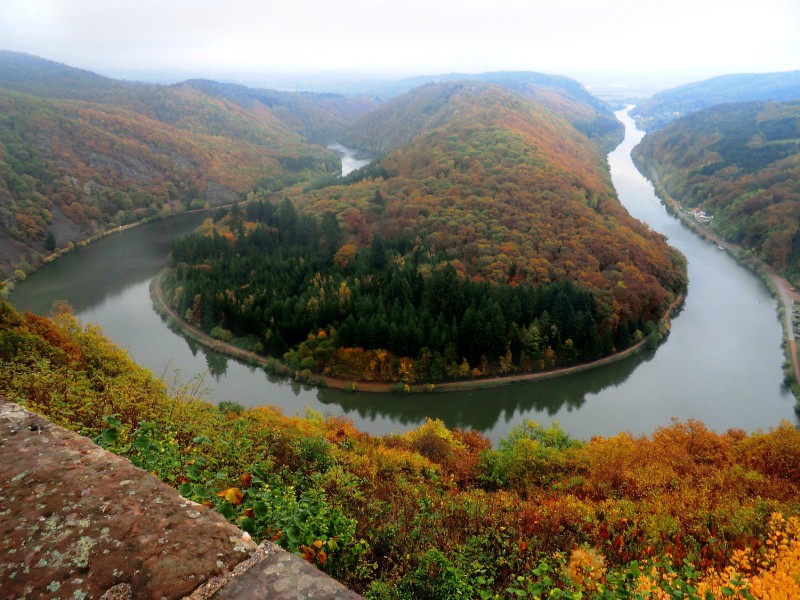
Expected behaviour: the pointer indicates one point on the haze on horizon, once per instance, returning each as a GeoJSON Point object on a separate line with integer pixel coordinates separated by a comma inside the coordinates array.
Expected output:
{"type": "Point", "coordinates": [594, 41]}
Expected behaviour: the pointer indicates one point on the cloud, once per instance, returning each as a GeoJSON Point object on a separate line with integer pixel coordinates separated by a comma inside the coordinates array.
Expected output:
{"type": "Point", "coordinates": [409, 35]}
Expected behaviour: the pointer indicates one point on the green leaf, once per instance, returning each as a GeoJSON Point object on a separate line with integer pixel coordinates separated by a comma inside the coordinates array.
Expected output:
{"type": "Point", "coordinates": [109, 437]}
{"type": "Point", "coordinates": [248, 524]}
{"type": "Point", "coordinates": [227, 511]}
{"type": "Point", "coordinates": [260, 510]}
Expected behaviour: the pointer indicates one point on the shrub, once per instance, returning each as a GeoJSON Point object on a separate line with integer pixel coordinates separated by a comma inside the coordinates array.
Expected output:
{"type": "Point", "coordinates": [221, 334]}
{"type": "Point", "coordinates": [228, 407]}
{"type": "Point", "coordinates": [529, 457]}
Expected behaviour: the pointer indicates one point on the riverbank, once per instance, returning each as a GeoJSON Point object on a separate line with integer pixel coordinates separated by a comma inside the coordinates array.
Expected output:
{"type": "Point", "coordinates": [8, 284]}
{"type": "Point", "coordinates": [778, 286]}
{"type": "Point", "coordinates": [162, 307]}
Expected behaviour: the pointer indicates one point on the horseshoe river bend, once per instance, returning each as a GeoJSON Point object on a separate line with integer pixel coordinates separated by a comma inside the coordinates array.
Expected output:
{"type": "Point", "coordinates": [721, 362]}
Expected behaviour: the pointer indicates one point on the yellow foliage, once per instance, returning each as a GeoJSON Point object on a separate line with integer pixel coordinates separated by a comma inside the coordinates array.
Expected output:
{"type": "Point", "coordinates": [586, 567]}
{"type": "Point", "coordinates": [344, 255]}
{"type": "Point", "coordinates": [436, 428]}
{"type": "Point", "coordinates": [771, 572]}
{"type": "Point", "coordinates": [232, 495]}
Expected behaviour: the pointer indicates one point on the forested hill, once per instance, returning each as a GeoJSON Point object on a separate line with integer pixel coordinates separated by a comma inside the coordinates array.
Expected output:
{"type": "Point", "coordinates": [511, 191]}
{"type": "Point", "coordinates": [561, 94]}
{"type": "Point", "coordinates": [741, 164]}
{"type": "Point", "coordinates": [493, 238]}
{"type": "Point", "coordinates": [80, 153]}
{"type": "Point", "coordinates": [666, 106]}
{"type": "Point", "coordinates": [186, 105]}
{"type": "Point", "coordinates": [322, 118]}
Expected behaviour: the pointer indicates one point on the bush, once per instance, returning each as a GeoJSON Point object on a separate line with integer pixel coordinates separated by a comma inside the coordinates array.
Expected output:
{"type": "Point", "coordinates": [653, 340]}
{"type": "Point", "coordinates": [529, 457]}
{"type": "Point", "coordinates": [221, 334]}
{"type": "Point", "coordinates": [228, 407]}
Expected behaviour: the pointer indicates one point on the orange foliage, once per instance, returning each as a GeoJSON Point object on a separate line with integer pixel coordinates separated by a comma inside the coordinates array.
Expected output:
{"type": "Point", "coordinates": [513, 194]}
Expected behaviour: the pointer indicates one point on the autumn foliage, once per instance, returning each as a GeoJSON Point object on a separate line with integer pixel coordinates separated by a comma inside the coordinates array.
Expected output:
{"type": "Point", "coordinates": [491, 240]}
{"type": "Point", "coordinates": [739, 163]}
{"type": "Point", "coordinates": [80, 153]}
{"type": "Point", "coordinates": [439, 513]}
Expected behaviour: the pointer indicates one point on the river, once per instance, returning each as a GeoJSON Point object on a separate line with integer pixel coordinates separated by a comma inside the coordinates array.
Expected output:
{"type": "Point", "coordinates": [720, 364]}
{"type": "Point", "coordinates": [351, 159]}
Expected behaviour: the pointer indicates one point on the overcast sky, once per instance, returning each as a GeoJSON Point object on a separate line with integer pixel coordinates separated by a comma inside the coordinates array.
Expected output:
{"type": "Point", "coordinates": [586, 39]}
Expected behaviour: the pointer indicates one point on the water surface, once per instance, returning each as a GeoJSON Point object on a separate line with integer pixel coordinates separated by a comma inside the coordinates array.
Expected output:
{"type": "Point", "coordinates": [351, 159]}
{"type": "Point", "coordinates": [721, 362]}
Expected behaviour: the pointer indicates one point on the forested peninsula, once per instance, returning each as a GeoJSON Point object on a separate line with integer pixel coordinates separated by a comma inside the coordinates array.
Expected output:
{"type": "Point", "coordinates": [489, 241]}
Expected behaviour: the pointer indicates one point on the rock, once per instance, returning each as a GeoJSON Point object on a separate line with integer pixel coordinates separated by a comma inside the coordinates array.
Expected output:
{"type": "Point", "coordinates": [79, 522]}
{"type": "Point", "coordinates": [69, 529]}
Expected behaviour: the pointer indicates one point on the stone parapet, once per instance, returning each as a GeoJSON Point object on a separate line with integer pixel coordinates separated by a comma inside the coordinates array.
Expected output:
{"type": "Point", "coordinates": [79, 522]}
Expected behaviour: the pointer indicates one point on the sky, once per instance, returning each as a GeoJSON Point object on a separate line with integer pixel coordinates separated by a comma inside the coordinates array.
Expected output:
{"type": "Point", "coordinates": [592, 40]}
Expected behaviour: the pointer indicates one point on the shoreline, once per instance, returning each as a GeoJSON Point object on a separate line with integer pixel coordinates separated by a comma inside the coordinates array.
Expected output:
{"type": "Point", "coordinates": [56, 254]}
{"type": "Point", "coordinates": [779, 287]}
{"type": "Point", "coordinates": [163, 309]}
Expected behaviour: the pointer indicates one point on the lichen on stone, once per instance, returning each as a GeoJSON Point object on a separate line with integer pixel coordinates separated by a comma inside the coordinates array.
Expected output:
{"type": "Point", "coordinates": [83, 546]}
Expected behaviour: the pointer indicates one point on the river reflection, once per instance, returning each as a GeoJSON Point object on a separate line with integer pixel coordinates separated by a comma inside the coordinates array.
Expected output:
{"type": "Point", "coordinates": [487, 411]}
{"type": "Point", "coordinates": [721, 362]}
{"type": "Point", "coordinates": [87, 277]}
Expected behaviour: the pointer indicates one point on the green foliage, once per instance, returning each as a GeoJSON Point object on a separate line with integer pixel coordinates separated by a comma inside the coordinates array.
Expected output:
{"type": "Point", "coordinates": [391, 311]}
{"type": "Point", "coordinates": [229, 407]}
{"type": "Point", "coordinates": [221, 334]}
{"type": "Point", "coordinates": [529, 457]}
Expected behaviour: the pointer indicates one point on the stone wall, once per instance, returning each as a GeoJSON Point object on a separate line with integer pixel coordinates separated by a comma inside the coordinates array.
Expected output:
{"type": "Point", "coordinates": [78, 522]}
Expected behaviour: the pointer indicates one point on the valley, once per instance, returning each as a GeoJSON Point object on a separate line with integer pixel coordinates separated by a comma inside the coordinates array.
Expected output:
{"type": "Point", "coordinates": [493, 229]}
{"type": "Point", "coordinates": [637, 394]}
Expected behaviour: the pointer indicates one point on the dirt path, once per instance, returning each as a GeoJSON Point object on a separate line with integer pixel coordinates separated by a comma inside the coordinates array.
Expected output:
{"type": "Point", "coordinates": [157, 295]}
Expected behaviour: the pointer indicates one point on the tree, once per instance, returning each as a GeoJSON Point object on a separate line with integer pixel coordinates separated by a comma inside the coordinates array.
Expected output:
{"type": "Point", "coordinates": [50, 241]}
{"type": "Point", "coordinates": [377, 257]}
{"type": "Point", "coordinates": [331, 233]}
{"type": "Point", "coordinates": [344, 256]}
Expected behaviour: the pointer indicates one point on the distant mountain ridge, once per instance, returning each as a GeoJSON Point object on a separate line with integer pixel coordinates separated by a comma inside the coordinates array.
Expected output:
{"type": "Point", "coordinates": [320, 117]}
{"type": "Point", "coordinates": [569, 98]}
{"type": "Point", "coordinates": [666, 106]}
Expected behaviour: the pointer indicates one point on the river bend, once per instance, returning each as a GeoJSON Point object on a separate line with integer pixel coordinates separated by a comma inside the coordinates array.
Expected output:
{"type": "Point", "coordinates": [722, 362]}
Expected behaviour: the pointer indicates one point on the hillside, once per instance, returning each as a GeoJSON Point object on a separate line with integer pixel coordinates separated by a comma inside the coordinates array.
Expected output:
{"type": "Point", "coordinates": [666, 106]}
{"type": "Point", "coordinates": [508, 190]}
{"type": "Point", "coordinates": [321, 118]}
{"type": "Point", "coordinates": [490, 240]}
{"type": "Point", "coordinates": [562, 95]}
{"type": "Point", "coordinates": [80, 153]}
{"type": "Point", "coordinates": [434, 513]}
{"type": "Point", "coordinates": [740, 163]}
